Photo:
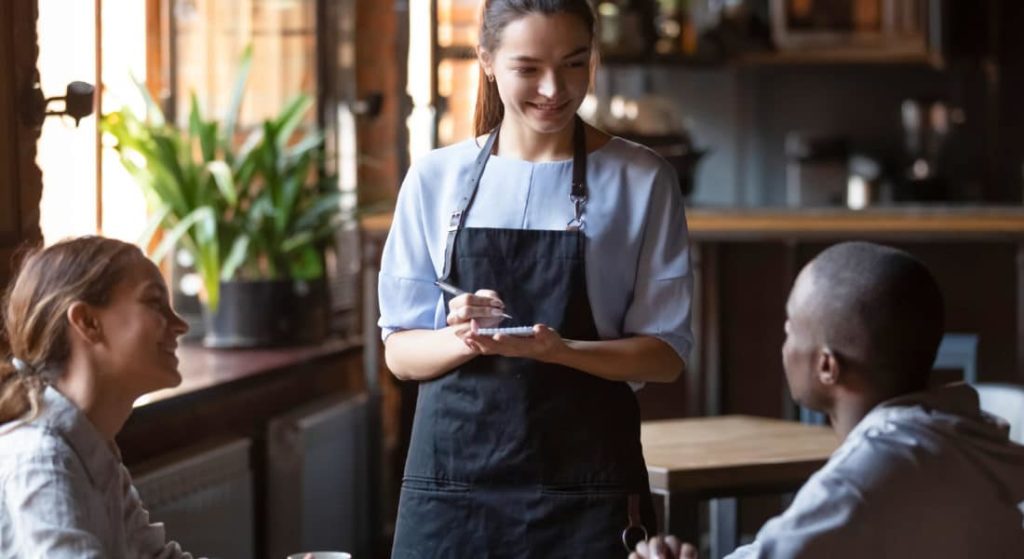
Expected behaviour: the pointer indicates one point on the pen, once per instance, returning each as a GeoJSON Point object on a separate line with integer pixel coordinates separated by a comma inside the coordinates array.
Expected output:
{"type": "Point", "coordinates": [455, 291]}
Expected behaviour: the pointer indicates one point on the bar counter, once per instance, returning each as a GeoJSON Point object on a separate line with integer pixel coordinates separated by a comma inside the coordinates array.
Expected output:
{"type": "Point", "coordinates": [711, 223]}
{"type": "Point", "coordinates": [944, 222]}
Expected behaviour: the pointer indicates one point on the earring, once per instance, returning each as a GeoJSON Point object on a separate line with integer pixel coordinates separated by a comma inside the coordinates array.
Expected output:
{"type": "Point", "coordinates": [490, 78]}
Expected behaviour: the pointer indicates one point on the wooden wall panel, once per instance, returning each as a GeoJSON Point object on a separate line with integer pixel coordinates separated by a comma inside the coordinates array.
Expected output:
{"type": "Point", "coordinates": [20, 178]}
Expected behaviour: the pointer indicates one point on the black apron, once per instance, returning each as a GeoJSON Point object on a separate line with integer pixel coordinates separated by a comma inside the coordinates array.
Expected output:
{"type": "Point", "coordinates": [512, 457]}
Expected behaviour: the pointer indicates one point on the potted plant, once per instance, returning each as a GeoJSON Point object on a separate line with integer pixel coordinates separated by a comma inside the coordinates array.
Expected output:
{"type": "Point", "coordinates": [256, 216]}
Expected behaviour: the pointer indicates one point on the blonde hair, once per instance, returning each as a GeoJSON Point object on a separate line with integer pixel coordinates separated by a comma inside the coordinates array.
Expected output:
{"type": "Point", "coordinates": [34, 331]}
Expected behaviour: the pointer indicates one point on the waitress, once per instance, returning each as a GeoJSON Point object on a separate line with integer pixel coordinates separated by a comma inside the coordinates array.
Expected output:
{"type": "Point", "coordinates": [530, 446]}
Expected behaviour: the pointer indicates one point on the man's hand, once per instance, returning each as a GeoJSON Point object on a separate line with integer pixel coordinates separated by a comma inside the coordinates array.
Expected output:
{"type": "Point", "coordinates": [664, 547]}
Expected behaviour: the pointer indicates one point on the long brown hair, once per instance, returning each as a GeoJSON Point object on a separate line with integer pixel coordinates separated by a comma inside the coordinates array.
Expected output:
{"type": "Point", "coordinates": [34, 331]}
{"type": "Point", "coordinates": [495, 15]}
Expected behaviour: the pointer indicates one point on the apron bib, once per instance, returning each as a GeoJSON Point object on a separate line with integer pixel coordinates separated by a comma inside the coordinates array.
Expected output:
{"type": "Point", "coordinates": [512, 457]}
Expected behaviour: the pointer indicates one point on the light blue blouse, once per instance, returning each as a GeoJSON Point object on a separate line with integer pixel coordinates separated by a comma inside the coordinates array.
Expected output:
{"type": "Point", "coordinates": [637, 253]}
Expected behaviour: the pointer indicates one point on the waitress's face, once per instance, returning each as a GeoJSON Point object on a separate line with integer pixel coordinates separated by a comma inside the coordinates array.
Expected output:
{"type": "Point", "coordinates": [542, 69]}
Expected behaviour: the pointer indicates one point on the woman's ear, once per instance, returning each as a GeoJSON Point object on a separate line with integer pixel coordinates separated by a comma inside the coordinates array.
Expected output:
{"type": "Point", "coordinates": [486, 62]}
{"type": "Point", "coordinates": [84, 322]}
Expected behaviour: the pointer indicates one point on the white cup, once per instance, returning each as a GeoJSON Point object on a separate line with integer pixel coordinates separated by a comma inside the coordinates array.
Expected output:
{"type": "Point", "coordinates": [321, 555]}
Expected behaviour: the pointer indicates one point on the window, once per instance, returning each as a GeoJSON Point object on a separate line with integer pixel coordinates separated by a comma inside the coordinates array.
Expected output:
{"type": "Point", "coordinates": [85, 188]}
{"type": "Point", "coordinates": [177, 47]}
{"type": "Point", "coordinates": [443, 100]}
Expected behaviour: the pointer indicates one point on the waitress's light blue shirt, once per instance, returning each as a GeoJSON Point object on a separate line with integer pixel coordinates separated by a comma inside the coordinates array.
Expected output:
{"type": "Point", "coordinates": [637, 252]}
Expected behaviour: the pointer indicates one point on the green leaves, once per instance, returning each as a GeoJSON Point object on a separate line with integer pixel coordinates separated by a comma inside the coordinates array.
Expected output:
{"type": "Point", "coordinates": [261, 209]}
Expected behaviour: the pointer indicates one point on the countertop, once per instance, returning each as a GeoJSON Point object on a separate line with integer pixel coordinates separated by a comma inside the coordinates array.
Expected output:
{"type": "Point", "coordinates": [725, 223]}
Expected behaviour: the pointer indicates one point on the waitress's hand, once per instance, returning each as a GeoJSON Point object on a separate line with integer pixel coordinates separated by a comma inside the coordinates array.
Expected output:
{"type": "Point", "coordinates": [468, 312]}
{"type": "Point", "coordinates": [542, 346]}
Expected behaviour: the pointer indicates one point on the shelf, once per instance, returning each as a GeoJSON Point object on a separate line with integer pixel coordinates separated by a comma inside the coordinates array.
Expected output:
{"type": "Point", "coordinates": [820, 57]}
{"type": "Point", "coordinates": [839, 57]}
{"type": "Point", "coordinates": [778, 59]}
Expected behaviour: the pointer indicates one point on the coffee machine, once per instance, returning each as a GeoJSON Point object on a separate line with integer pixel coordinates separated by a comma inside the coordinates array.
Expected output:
{"type": "Point", "coordinates": [928, 126]}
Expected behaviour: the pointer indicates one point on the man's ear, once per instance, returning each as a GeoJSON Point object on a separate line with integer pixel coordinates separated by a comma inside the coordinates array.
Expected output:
{"type": "Point", "coordinates": [84, 322]}
{"type": "Point", "coordinates": [828, 367]}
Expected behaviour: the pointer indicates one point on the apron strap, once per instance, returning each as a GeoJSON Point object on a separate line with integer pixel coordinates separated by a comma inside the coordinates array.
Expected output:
{"type": "Point", "coordinates": [578, 195]}
{"type": "Point", "coordinates": [466, 193]}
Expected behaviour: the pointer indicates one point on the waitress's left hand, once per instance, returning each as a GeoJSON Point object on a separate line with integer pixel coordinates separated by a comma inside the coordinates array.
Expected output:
{"type": "Point", "coordinates": [542, 346]}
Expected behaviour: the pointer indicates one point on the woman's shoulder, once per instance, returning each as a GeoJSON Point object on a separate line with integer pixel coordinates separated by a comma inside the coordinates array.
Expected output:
{"type": "Point", "coordinates": [445, 159]}
{"type": "Point", "coordinates": [35, 441]}
{"type": "Point", "coordinates": [630, 153]}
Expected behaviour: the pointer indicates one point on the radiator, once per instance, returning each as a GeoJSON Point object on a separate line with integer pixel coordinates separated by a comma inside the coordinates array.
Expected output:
{"type": "Point", "coordinates": [204, 499]}
{"type": "Point", "coordinates": [319, 494]}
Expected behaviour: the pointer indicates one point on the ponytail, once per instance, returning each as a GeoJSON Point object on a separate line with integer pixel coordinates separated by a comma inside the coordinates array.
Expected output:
{"type": "Point", "coordinates": [20, 392]}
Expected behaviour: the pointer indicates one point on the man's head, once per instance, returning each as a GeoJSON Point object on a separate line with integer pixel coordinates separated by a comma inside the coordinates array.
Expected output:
{"type": "Point", "coordinates": [863, 318]}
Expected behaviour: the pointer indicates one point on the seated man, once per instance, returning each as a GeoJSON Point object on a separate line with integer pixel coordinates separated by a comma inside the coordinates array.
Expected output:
{"type": "Point", "coordinates": [920, 473]}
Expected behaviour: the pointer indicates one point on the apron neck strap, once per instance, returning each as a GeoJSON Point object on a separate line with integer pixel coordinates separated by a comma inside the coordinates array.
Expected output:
{"type": "Point", "coordinates": [467, 190]}
{"type": "Point", "coordinates": [578, 195]}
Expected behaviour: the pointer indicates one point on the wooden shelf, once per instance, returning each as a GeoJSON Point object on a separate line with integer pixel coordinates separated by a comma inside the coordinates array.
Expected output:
{"type": "Point", "coordinates": [839, 57]}
{"type": "Point", "coordinates": [809, 57]}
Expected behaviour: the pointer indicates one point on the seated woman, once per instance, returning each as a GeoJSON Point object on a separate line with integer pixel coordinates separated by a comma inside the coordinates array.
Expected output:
{"type": "Point", "coordinates": [89, 328]}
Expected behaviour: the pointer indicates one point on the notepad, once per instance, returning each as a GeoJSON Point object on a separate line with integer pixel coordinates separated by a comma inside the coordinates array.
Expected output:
{"type": "Point", "coordinates": [521, 331]}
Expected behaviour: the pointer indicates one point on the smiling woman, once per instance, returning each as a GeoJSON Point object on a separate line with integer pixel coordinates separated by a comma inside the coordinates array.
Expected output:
{"type": "Point", "coordinates": [581, 237]}
{"type": "Point", "coordinates": [90, 329]}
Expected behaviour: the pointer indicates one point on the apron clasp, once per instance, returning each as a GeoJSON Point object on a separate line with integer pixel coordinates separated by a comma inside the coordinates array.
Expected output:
{"type": "Point", "coordinates": [576, 223]}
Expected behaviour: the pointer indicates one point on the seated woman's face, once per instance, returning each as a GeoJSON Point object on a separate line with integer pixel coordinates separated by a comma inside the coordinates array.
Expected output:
{"type": "Point", "coordinates": [139, 333]}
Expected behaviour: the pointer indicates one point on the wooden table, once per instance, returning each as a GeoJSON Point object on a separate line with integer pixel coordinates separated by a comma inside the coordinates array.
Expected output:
{"type": "Point", "coordinates": [724, 457]}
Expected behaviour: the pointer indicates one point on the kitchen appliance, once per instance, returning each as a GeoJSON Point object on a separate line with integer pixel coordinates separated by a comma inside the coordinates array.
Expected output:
{"type": "Point", "coordinates": [927, 128]}
{"type": "Point", "coordinates": [816, 170]}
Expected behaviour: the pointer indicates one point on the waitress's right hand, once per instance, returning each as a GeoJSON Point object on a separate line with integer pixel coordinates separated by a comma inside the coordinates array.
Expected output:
{"type": "Point", "coordinates": [468, 312]}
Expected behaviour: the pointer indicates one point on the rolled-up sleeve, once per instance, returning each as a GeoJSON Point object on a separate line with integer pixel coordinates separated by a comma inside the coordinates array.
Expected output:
{"type": "Point", "coordinates": [664, 281]}
{"type": "Point", "coordinates": [406, 291]}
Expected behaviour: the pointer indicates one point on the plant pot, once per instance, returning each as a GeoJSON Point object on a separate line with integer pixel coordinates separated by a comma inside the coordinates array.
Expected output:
{"type": "Point", "coordinates": [263, 313]}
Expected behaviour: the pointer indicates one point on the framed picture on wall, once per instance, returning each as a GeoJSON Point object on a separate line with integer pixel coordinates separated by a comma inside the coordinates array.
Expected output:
{"type": "Point", "coordinates": [886, 25]}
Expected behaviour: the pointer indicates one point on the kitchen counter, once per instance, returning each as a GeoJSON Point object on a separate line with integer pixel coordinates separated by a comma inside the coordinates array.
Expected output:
{"type": "Point", "coordinates": [947, 222]}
